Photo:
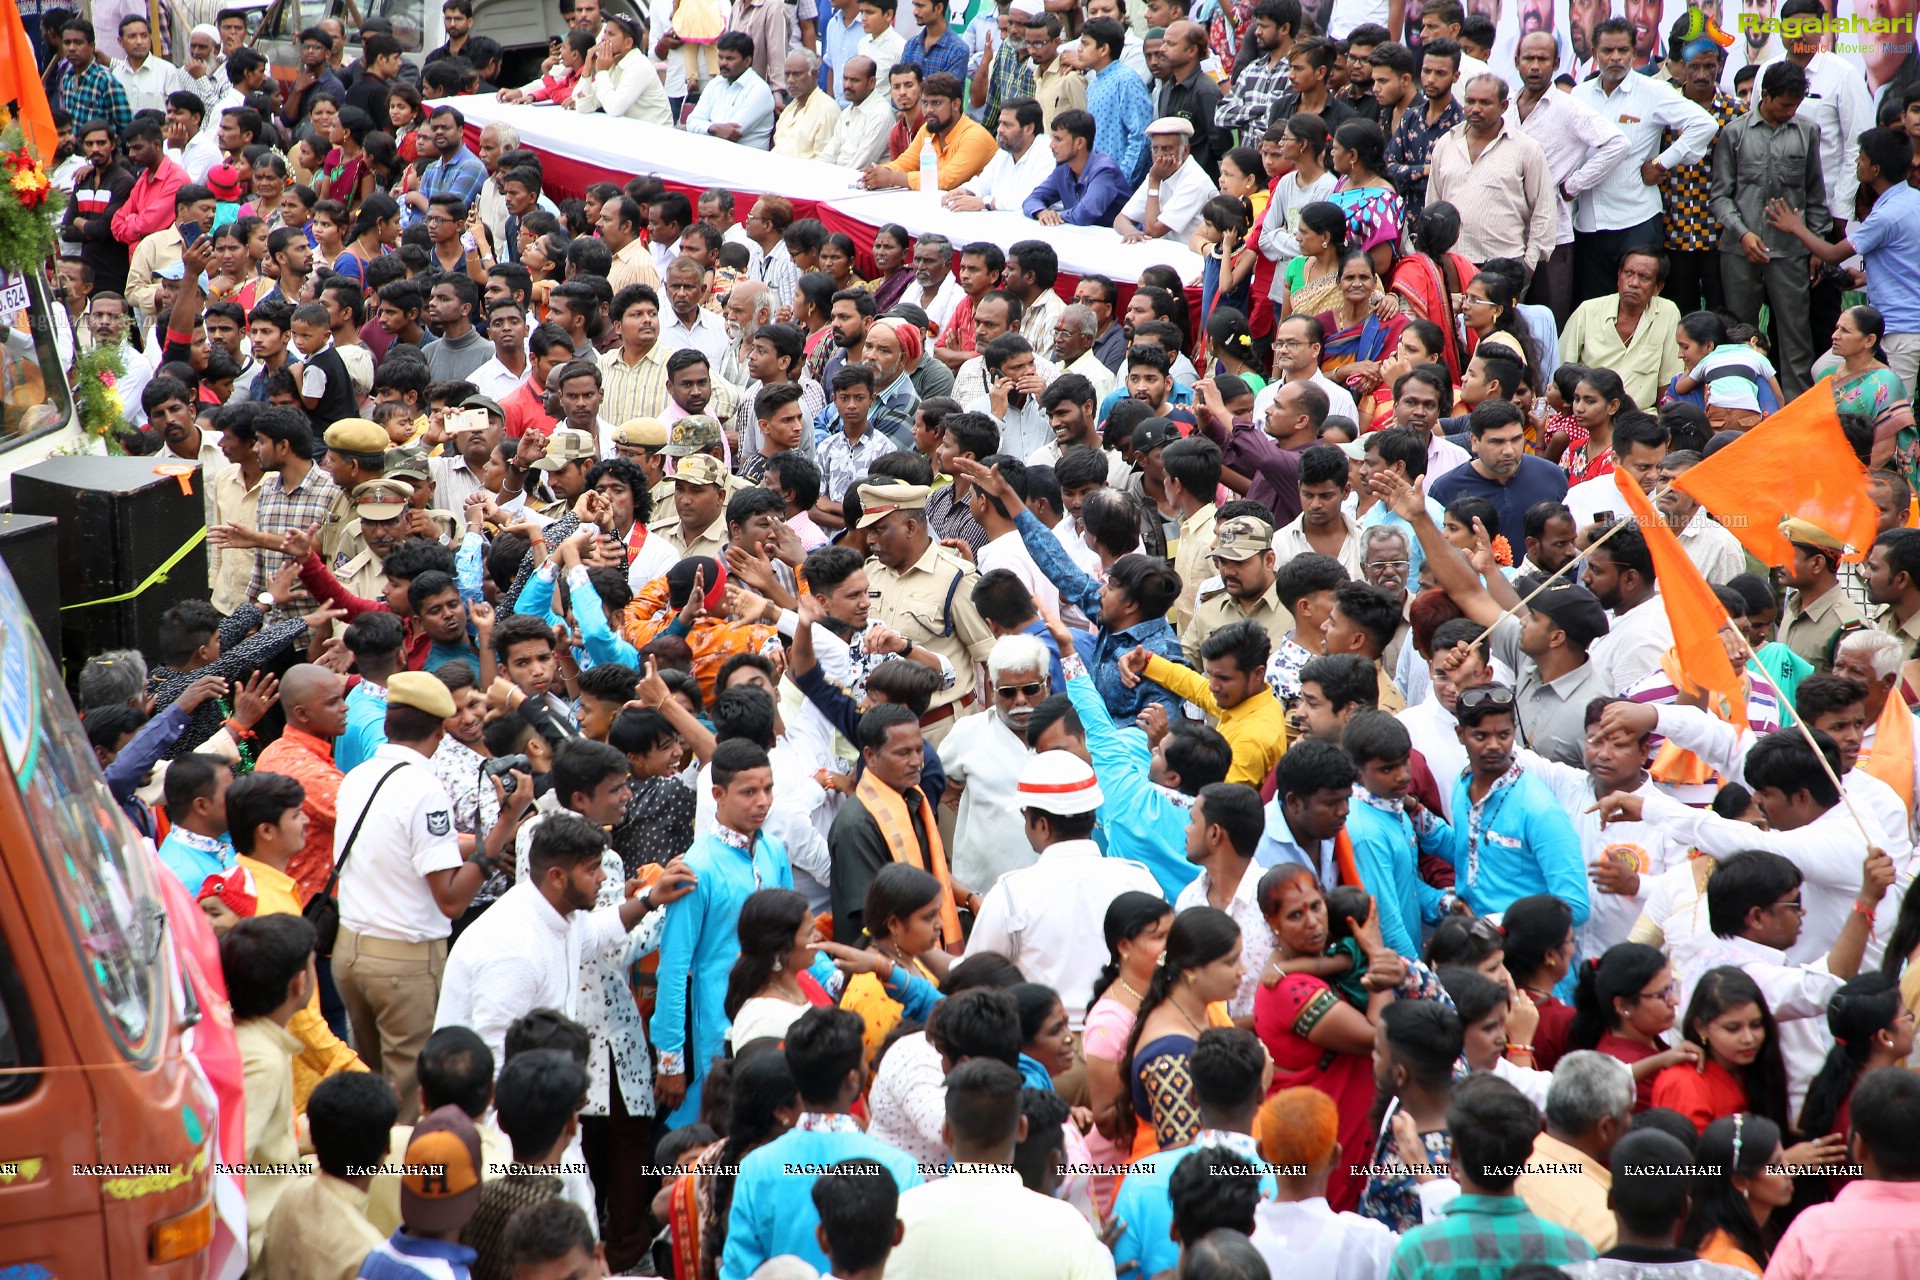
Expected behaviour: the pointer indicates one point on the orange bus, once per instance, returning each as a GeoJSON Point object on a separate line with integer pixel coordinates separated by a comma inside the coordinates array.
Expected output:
{"type": "Point", "coordinates": [107, 1124]}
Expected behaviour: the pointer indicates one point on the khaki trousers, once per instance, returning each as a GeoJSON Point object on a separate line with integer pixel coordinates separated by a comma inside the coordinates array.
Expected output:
{"type": "Point", "coordinates": [391, 990]}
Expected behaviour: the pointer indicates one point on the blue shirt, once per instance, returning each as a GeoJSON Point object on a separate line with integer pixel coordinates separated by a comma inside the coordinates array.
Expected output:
{"type": "Point", "coordinates": [1889, 240]}
{"type": "Point", "coordinates": [1179, 395]}
{"type": "Point", "coordinates": [1102, 652]}
{"type": "Point", "coordinates": [390, 1261]}
{"type": "Point", "coordinates": [366, 725]}
{"type": "Point", "coordinates": [1056, 678]}
{"type": "Point", "coordinates": [949, 53]}
{"type": "Point", "coordinates": [192, 858]}
{"type": "Point", "coordinates": [1121, 113]}
{"type": "Point", "coordinates": [461, 174]}
{"type": "Point", "coordinates": [438, 655]}
{"type": "Point", "coordinates": [1278, 844]}
{"type": "Point", "coordinates": [1145, 1203]}
{"type": "Point", "coordinates": [1094, 199]}
{"type": "Point", "coordinates": [838, 41]}
{"type": "Point", "coordinates": [1537, 481]}
{"type": "Point", "coordinates": [698, 945]}
{"type": "Point", "coordinates": [1142, 820]}
{"type": "Point", "coordinates": [773, 1211]}
{"type": "Point", "coordinates": [1517, 843]}
{"type": "Point", "coordinates": [1386, 846]}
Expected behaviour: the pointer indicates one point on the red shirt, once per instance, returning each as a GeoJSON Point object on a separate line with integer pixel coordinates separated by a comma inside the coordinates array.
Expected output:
{"type": "Point", "coordinates": [1701, 1094]}
{"type": "Point", "coordinates": [1630, 1052]}
{"type": "Point", "coordinates": [149, 206]}
{"type": "Point", "coordinates": [525, 410]}
{"type": "Point", "coordinates": [309, 761]}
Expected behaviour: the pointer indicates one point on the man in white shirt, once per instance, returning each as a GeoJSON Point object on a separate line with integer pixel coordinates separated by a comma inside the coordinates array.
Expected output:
{"type": "Point", "coordinates": [811, 119]}
{"type": "Point", "coordinates": [1624, 210]}
{"type": "Point", "coordinates": [192, 148]}
{"type": "Point", "coordinates": [1167, 205]}
{"type": "Point", "coordinates": [403, 882]}
{"type": "Point", "coordinates": [736, 105]}
{"type": "Point", "coordinates": [860, 137]}
{"type": "Point", "coordinates": [1640, 449]}
{"type": "Point", "coordinates": [501, 376]}
{"type": "Point", "coordinates": [619, 78]}
{"type": "Point", "coordinates": [983, 756]}
{"type": "Point", "coordinates": [1014, 388]}
{"type": "Point", "coordinates": [1021, 164]}
{"type": "Point", "coordinates": [528, 948]}
{"type": "Point", "coordinates": [1048, 918]}
{"type": "Point", "coordinates": [934, 290]}
{"type": "Point", "coordinates": [688, 324]}
{"type": "Point", "coordinates": [1619, 572]}
{"type": "Point", "coordinates": [1296, 348]}
{"type": "Point", "coordinates": [148, 80]}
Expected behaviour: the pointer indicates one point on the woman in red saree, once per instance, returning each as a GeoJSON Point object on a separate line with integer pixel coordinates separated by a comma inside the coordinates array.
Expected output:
{"type": "Point", "coordinates": [1316, 1038]}
{"type": "Point", "coordinates": [1429, 279]}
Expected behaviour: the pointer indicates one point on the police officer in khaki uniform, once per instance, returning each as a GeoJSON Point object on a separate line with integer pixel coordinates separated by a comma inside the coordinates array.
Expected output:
{"type": "Point", "coordinates": [693, 436]}
{"type": "Point", "coordinates": [1817, 611]}
{"type": "Point", "coordinates": [380, 508]}
{"type": "Point", "coordinates": [695, 522]}
{"type": "Point", "coordinates": [569, 456]}
{"type": "Point", "coordinates": [925, 593]}
{"type": "Point", "coordinates": [1243, 589]}
{"type": "Point", "coordinates": [356, 453]}
{"type": "Point", "coordinates": [423, 519]}
{"type": "Point", "coordinates": [640, 441]}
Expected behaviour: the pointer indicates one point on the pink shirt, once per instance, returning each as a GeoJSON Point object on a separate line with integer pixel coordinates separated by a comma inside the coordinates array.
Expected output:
{"type": "Point", "coordinates": [1870, 1231]}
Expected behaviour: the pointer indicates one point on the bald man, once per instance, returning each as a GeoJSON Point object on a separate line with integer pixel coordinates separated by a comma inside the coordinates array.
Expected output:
{"type": "Point", "coordinates": [314, 701]}
{"type": "Point", "coordinates": [1193, 96]}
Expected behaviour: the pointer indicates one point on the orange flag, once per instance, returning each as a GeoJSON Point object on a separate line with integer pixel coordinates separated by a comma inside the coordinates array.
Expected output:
{"type": "Point", "coordinates": [1695, 612]}
{"type": "Point", "coordinates": [20, 84]}
{"type": "Point", "coordinates": [1796, 463]}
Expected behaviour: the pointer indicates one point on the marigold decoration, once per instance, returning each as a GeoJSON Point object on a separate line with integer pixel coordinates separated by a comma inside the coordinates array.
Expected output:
{"type": "Point", "coordinates": [30, 206]}
{"type": "Point", "coordinates": [96, 397]}
{"type": "Point", "coordinates": [1503, 552]}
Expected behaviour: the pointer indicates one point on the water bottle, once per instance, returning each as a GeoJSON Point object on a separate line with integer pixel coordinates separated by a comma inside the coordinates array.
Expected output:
{"type": "Point", "coordinates": [929, 172]}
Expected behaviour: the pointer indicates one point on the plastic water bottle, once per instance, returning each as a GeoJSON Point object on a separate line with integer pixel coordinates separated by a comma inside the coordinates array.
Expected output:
{"type": "Point", "coordinates": [929, 172]}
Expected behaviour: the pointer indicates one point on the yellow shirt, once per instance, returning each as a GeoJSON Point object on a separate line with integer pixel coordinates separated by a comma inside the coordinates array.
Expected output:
{"type": "Point", "coordinates": [1566, 1186]}
{"type": "Point", "coordinates": [963, 152]}
{"type": "Point", "coordinates": [1256, 729]}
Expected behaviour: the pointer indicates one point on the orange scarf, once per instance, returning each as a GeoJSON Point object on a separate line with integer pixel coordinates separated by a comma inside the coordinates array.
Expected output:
{"type": "Point", "coordinates": [1674, 765]}
{"type": "Point", "coordinates": [1891, 759]}
{"type": "Point", "coordinates": [889, 810]}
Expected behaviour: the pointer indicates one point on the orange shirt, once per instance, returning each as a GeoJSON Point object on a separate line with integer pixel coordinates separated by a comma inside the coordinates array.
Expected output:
{"type": "Point", "coordinates": [713, 640]}
{"type": "Point", "coordinates": [309, 761]}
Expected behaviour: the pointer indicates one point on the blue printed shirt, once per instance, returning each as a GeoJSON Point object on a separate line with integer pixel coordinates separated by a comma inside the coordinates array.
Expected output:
{"type": "Point", "coordinates": [1121, 111]}
{"type": "Point", "coordinates": [366, 725]}
{"type": "Point", "coordinates": [405, 1257]}
{"type": "Point", "coordinates": [1142, 820]}
{"type": "Point", "coordinates": [773, 1211]}
{"type": "Point", "coordinates": [949, 53]}
{"type": "Point", "coordinates": [1386, 848]}
{"type": "Point", "coordinates": [193, 857]}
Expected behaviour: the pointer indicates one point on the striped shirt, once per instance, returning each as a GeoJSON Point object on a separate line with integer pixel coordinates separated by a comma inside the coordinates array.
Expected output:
{"type": "Point", "coordinates": [637, 390]}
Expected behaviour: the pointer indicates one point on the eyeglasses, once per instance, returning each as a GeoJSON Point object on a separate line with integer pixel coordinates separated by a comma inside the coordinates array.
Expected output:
{"type": "Point", "coordinates": [1481, 695]}
{"type": "Point", "coordinates": [1289, 344]}
{"type": "Point", "coordinates": [1471, 301]}
{"type": "Point", "coordinates": [1668, 992]}
{"type": "Point", "coordinates": [1033, 690]}
{"type": "Point", "coordinates": [1791, 904]}
{"type": "Point", "coordinates": [1400, 565]}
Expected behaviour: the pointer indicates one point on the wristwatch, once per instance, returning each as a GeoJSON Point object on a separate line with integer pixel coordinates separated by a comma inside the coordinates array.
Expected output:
{"type": "Point", "coordinates": [908, 651]}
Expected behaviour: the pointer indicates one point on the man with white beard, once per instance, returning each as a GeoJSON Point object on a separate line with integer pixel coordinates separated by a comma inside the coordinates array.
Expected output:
{"type": "Point", "coordinates": [983, 756]}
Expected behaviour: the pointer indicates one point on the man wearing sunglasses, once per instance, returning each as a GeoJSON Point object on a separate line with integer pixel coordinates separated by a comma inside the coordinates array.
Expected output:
{"type": "Point", "coordinates": [982, 757]}
{"type": "Point", "coordinates": [1510, 838]}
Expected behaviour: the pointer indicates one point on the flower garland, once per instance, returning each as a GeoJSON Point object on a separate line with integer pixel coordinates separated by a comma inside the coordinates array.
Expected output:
{"type": "Point", "coordinates": [30, 206]}
{"type": "Point", "coordinates": [96, 395]}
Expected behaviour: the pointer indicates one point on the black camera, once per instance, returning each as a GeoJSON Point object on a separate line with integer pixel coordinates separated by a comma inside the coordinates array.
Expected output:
{"type": "Point", "coordinates": [504, 767]}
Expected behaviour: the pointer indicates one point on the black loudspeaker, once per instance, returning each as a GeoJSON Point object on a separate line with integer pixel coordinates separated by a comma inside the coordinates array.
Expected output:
{"type": "Point", "coordinates": [29, 550]}
{"type": "Point", "coordinates": [119, 521]}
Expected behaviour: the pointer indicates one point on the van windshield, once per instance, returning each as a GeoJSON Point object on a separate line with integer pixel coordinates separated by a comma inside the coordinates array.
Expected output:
{"type": "Point", "coordinates": [89, 849]}
{"type": "Point", "coordinates": [30, 401]}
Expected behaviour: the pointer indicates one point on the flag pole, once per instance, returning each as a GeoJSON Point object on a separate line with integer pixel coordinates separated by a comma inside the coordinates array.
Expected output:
{"type": "Point", "coordinates": [1557, 574]}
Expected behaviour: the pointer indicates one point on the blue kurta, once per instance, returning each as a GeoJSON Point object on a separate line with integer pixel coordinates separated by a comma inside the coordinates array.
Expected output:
{"type": "Point", "coordinates": [773, 1211]}
{"type": "Point", "coordinates": [1386, 848]}
{"type": "Point", "coordinates": [1517, 843]}
{"type": "Point", "coordinates": [698, 945]}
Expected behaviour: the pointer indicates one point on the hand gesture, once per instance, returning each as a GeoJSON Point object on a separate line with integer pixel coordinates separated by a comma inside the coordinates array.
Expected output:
{"type": "Point", "coordinates": [255, 697]}
{"type": "Point", "coordinates": [880, 638]}
{"type": "Point", "coordinates": [676, 881]}
{"type": "Point", "coordinates": [1615, 875]}
{"type": "Point", "coordinates": [852, 961]}
{"type": "Point", "coordinates": [652, 691]}
{"type": "Point", "coordinates": [744, 605]}
{"type": "Point", "coordinates": [1152, 720]}
{"type": "Point", "coordinates": [418, 524]}
{"type": "Point", "coordinates": [1829, 1150]}
{"type": "Point", "coordinates": [748, 566]}
{"type": "Point", "coordinates": [195, 258]}
{"type": "Point", "coordinates": [297, 544]}
{"type": "Point", "coordinates": [696, 606]}
{"type": "Point", "coordinates": [1133, 666]}
{"type": "Point", "coordinates": [1876, 878]}
{"type": "Point", "coordinates": [481, 615]}
{"type": "Point", "coordinates": [786, 546]}
{"type": "Point", "coordinates": [1481, 557]}
{"type": "Point", "coordinates": [1402, 497]}
{"type": "Point", "coordinates": [334, 656]}
{"type": "Point", "coordinates": [514, 801]}
{"type": "Point", "coordinates": [320, 619]}
{"type": "Point", "coordinates": [1618, 807]}
{"type": "Point", "coordinates": [280, 585]}
{"type": "Point", "coordinates": [203, 691]}
{"type": "Point", "coordinates": [1755, 248]}
{"type": "Point", "coordinates": [1408, 1146]}
{"type": "Point", "coordinates": [812, 610]}
{"type": "Point", "coordinates": [1055, 627]}
{"type": "Point", "coordinates": [1523, 1015]}
{"type": "Point", "coordinates": [1782, 216]}
{"type": "Point", "coordinates": [226, 536]}
{"type": "Point", "coordinates": [960, 547]}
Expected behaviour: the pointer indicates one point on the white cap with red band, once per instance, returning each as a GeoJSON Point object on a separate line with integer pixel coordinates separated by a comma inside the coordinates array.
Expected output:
{"type": "Point", "coordinates": [1059, 782]}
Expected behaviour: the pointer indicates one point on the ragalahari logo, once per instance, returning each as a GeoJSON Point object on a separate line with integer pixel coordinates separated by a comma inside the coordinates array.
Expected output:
{"type": "Point", "coordinates": [1700, 24]}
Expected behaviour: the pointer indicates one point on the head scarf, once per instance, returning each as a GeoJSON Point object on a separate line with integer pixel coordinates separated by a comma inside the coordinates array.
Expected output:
{"type": "Point", "coordinates": [911, 343]}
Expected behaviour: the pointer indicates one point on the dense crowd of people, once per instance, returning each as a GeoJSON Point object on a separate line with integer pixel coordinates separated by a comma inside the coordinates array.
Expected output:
{"type": "Point", "coordinates": [719, 749]}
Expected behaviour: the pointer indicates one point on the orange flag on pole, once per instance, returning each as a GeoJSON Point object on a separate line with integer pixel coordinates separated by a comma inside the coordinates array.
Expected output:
{"type": "Point", "coordinates": [1696, 613]}
{"type": "Point", "coordinates": [20, 84]}
{"type": "Point", "coordinates": [1796, 463]}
